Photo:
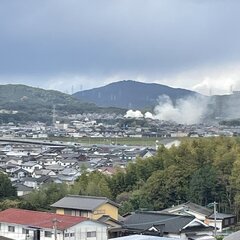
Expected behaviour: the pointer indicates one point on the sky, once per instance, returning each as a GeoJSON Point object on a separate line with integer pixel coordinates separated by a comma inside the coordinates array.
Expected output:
{"type": "Point", "coordinates": [73, 45]}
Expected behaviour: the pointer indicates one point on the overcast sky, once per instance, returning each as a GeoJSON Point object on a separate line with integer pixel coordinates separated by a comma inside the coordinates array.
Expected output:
{"type": "Point", "coordinates": [79, 44]}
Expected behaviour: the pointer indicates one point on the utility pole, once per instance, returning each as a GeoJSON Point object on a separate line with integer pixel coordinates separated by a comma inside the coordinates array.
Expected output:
{"type": "Point", "coordinates": [55, 221]}
{"type": "Point", "coordinates": [214, 205]}
{"type": "Point", "coordinates": [215, 218]}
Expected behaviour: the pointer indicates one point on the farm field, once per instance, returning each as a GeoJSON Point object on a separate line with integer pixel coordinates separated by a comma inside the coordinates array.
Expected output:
{"type": "Point", "coordinates": [144, 141]}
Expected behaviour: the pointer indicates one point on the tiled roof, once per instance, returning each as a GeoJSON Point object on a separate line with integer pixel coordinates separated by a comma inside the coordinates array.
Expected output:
{"type": "Point", "coordinates": [190, 206]}
{"type": "Point", "coordinates": [145, 220]}
{"type": "Point", "coordinates": [89, 203]}
{"type": "Point", "coordinates": [38, 219]}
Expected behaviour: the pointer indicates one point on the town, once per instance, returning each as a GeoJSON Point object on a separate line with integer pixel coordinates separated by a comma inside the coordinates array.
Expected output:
{"type": "Point", "coordinates": [35, 155]}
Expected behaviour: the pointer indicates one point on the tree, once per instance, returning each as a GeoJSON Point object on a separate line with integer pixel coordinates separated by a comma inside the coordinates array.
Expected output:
{"type": "Point", "coordinates": [94, 184]}
{"type": "Point", "coordinates": [45, 196]}
{"type": "Point", "coordinates": [6, 188]}
{"type": "Point", "coordinates": [203, 185]}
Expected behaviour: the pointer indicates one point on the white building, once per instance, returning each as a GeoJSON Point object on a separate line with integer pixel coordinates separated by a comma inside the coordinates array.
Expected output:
{"type": "Point", "coordinates": [34, 225]}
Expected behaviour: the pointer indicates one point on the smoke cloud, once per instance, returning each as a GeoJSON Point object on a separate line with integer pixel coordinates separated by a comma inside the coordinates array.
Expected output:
{"type": "Point", "coordinates": [148, 115]}
{"type": "Point", "coordinates": [133, 114]}
{"type": "Point", "coordinates": [190, 110]}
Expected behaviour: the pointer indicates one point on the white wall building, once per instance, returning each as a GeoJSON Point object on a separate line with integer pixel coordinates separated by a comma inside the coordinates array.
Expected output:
{"type": "Point", "coordinates": [34, 225]}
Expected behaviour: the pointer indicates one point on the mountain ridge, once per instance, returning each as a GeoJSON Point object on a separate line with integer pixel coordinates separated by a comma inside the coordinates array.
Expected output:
{"type": "Point", "coordinates": [131, 94]}
{"type": "Point", "coordinates": [36, 104]}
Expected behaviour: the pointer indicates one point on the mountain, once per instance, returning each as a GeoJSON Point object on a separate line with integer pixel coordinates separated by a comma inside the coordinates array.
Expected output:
{"type": "Point", "coordinates": [131, 94]}
{"type": "Point", "coordinates": [24, 103]}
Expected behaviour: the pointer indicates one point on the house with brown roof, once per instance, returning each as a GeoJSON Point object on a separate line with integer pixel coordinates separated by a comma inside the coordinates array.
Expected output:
{"type": "Point", "coordinates": [24, 224]}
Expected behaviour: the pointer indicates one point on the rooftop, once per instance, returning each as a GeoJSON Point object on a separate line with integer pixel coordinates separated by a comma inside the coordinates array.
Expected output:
{"type": "Point", "coordinates": [89, 203]}
{"type": "Point", "coordinates": [38, 219]}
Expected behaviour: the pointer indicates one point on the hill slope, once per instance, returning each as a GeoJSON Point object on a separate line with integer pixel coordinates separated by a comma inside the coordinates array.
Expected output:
{"type": "Point", "coordinates": [131, 94]}
{"type": "Point", "coordinates": [36, 104]}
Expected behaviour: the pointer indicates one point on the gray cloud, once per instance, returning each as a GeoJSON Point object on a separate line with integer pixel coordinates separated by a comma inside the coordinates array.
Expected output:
{"type": "Point", "coordinates": [90, 42]}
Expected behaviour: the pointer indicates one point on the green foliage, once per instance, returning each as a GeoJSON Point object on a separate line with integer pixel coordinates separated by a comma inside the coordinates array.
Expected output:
{"type": "Point", "coordinates": [42, 198]}
{"type": "Point", "coordinates": [93, 184]}
{"type": "Point", "coordinates": [9, 203]}
{"type": "Point", "coordinates": [6, 188]}
{"type": "Point", "coordinates": [203, 185]}
{"type": "Point", "coordinates": [35, 104]}
{"type": "Point", "coordinates": [200, 170]}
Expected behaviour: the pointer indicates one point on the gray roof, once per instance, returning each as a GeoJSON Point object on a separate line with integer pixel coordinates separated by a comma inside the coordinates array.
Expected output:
{"type": "Point", "coordinates": [21, 187]}
{"type": "Point", "coordinates": [233, 236]}
{"type": "Point", "coordinates": [78, 202]}
{"type": "Point", "coordinates": [221, 216]}
{"type": "Point", "coordinates": [191, 206]}
{"type": "Point", "coordinates": [106, 218]}
{"type": "Point", "coordinates": [171, 223]}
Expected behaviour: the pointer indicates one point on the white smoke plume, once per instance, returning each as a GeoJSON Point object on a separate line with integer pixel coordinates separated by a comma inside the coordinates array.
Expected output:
{"type": "Point", "coordinates": [189, 110]}
{"type": "Point", "coordinates": [186, 111]}
{"type": "Point", "coordinates": [148, 115]}
{"type": "Point", "coordinates": [133, 114]}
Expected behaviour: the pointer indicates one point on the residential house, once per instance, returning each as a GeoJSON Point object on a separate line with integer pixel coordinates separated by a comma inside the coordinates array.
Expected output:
{"type": "Point", "coordinates": [204, 214]}
{"type": "Point", "coordinates": [36, 182]}
{"type": "Point", "coordinates": [86, 206]}
{"type": "Point", "coordinates": [24, 224]}
{"type": "Point", "coordinates": [68, 175]}
{"type": "Point", "coordinates": [166, 225]}
{"type": "Point", "coordinates": [55, 168]}
{"type": "Point", "coordinates": [114, 226]}
{"type": "Point", "coordinates": [43, 172]}
{"type": "Point", "coordinates": [22, 189]}
{"type": "Point", "coordinates": [20, 173]}
{"type": "Point", "coordinates": [31, 166]}
{"type": "Point", "coordinates": [146, 153]}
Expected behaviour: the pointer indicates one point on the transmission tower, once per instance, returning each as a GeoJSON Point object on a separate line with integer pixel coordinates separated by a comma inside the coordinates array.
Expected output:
{"type": "Point", "coordinates": [54, 115]}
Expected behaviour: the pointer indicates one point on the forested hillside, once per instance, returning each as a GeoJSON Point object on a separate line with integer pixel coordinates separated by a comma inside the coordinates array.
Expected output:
{"type": "Point", "coordinates": [26, 103]}
{"type": "Point", "coordinates": [200, 170]}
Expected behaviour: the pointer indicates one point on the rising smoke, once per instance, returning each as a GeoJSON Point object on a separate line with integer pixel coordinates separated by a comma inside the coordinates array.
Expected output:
{"type": "Point", "coordinates": [133, 114]}
{"type": "Point", "coordinates": [189, 110]}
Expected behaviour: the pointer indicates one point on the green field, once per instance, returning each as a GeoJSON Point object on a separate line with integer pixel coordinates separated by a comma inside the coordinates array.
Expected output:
{"type": "Point", "coordinates": [145, 141]}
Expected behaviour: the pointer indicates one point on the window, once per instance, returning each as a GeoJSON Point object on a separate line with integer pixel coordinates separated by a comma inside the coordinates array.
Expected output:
{"type": "Point", "coordinates": [47, 234]}
{"type": "Point", "coordinates": [91, 234]}
{"type": "Point", "coordinates": [232, 220]}
{"type": "Point", "coordinates": [25, 231]}
{"type": "Point", "coordinates": [11, 228]}
{"type": "Point", "coordinates": [69, 234]}
{"type": "Point", "coordinates": [67, 212]}
{"type": "Point", "coordinates": [226, 222]}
